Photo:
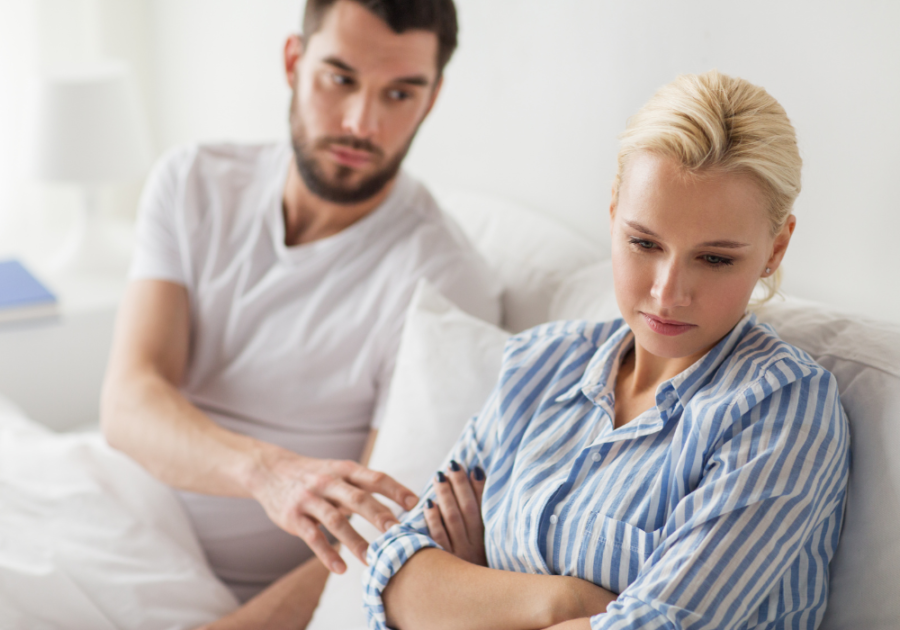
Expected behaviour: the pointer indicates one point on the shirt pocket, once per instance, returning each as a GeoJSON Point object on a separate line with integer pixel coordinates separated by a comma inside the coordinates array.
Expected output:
{"type": "Point", "coordinates": [614, 552]}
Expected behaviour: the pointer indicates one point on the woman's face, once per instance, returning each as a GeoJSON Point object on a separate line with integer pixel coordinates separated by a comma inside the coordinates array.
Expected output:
{"type": "Point", "coordinates": [687, 252]}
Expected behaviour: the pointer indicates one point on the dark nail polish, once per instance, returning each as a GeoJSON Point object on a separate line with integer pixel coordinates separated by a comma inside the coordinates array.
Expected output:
{"type": "Point", "coordinates": [441, 477]}
{"type": "Point", "coordinates": [454, 466]}
{"type": "Point", "coordinates": [429, 504]}
{"type": "Point", "coordinates": [479, 474]}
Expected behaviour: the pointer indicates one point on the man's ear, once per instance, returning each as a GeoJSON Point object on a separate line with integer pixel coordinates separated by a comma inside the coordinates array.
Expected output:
{"type": "Point", "coordinates": [293, 52]}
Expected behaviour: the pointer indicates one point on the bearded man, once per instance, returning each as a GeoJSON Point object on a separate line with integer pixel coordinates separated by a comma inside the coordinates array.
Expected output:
{"type": "Point", "coordinates": [255, 345]}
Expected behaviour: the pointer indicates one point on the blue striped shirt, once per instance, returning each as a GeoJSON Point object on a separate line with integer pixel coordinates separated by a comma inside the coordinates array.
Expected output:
{"type": "Point", "coordinates": [720, 507]}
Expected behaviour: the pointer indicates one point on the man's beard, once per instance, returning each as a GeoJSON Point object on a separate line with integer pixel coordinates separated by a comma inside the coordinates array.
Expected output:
{"type": "Point", "coordinates": [338, 189]}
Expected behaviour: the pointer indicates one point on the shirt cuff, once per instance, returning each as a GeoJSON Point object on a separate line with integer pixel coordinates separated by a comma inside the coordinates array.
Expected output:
{"type": "Point", "coordinates": [385, 557]}
{"type": "Point", "coordinates": [628, 612]}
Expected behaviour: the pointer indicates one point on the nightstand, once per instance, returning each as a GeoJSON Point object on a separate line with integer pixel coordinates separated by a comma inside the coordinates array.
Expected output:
{"type": "Point", "coordinates": [53, 368]}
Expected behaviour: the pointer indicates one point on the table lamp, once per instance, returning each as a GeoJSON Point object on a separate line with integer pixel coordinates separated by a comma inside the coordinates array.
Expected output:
{"type": "Point", "coordinates": [87, 128]}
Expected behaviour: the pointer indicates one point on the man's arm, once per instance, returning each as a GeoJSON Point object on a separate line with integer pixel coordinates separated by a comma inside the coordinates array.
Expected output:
{"type": "Point", "coordinates": [144, 415]}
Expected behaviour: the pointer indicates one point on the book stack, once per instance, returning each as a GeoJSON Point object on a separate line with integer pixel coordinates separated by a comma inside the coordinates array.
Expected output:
{"type": "Point", "coordinates": [22, 296]}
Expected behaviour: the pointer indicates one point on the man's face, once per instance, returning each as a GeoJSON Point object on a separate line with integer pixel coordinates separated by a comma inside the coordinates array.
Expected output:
{"type": "Point", "coordinates": [360, 93]}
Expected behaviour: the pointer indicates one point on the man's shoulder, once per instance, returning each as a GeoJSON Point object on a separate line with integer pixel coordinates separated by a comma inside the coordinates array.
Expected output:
{"type": "Point", "coordinates": [221, 160]}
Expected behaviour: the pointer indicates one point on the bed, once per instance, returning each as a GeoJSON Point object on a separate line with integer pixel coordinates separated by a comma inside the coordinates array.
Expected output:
{"type": "Point", "coordinates": [89, 540]}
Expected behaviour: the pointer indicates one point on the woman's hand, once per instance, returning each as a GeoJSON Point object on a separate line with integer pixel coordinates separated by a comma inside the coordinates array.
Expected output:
{"type": "Point", "coordinates": [455, 521]}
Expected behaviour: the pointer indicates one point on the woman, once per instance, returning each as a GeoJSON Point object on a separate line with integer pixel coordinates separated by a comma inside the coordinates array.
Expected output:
{"type": "Point", "coordinates": [679, 467]}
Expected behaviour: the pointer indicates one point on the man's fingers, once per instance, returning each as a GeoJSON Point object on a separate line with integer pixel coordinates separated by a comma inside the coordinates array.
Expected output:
{"type": "Point", "coordinates": [307, 530]}
{"type": "Point", "coordinates": [436, 526]}
{"type": "Point", "coordinates": [385, 485]}
{"type": "Point", "coordinates": [359, 501]}
{"type": "Point", "coordinates": [336, 523]}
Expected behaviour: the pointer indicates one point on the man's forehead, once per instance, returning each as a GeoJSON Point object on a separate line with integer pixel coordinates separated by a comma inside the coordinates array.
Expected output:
{"type": "Point", "coordinates": [361, 40]}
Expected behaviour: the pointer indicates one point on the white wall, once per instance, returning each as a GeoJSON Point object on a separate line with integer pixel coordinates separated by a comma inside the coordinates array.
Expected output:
{"type": "Point", "coordinates": [539, 90]}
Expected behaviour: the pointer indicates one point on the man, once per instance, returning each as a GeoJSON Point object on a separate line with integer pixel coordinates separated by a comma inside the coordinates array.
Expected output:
{"type": "Point", "coordinates": [256, 341]}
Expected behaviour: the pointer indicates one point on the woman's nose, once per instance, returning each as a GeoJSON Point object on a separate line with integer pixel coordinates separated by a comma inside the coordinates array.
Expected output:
{"type": "Point", "coordinates": [670, 286]}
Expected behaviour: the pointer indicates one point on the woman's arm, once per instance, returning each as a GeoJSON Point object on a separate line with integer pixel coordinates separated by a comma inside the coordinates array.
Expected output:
{"type": "Point", "coordinates": [462, 592]}
{"type": "Point", "coordinates": [435, 590]}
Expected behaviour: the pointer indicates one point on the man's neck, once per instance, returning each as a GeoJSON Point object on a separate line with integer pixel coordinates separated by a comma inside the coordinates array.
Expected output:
{"type": "Point", "coordinates": [309, 218]}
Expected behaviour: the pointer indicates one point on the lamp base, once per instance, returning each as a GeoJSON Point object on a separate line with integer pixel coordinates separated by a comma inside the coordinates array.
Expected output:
{"type": "Point", "coordinates": [90, 248]}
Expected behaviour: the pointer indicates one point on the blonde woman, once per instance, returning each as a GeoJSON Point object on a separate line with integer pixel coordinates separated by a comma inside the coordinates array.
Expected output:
{"type": "Point", "coordinates": [681, 467]}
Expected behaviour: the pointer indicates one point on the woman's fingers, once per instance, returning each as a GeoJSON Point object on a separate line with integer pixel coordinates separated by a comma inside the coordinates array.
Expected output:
{"type": "Point", "coordinates": [476, 477]}
{"type": "Point", "coordinates": [436, 526]}
{"type": "Point", "coordinates": [468, 502]}
{"type": "Point", "coordinates": [454, 523]}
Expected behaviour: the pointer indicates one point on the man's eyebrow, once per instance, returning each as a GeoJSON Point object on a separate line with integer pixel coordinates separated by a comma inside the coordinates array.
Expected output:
{"type": "Point", "coordinates": [337, 63]}
{"type": "Point", "coordinates": [726, 244]}
{"type": "Point", "coordinates": [418, 80]}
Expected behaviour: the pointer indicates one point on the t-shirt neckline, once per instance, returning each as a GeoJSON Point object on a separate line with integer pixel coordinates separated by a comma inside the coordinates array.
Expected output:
{"type": "Point", "coordinates": [360, 229]}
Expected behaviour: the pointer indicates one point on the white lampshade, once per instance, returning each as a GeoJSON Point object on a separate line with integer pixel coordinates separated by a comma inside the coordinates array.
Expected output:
{"type": "Point", "coordinates": [87, 126]}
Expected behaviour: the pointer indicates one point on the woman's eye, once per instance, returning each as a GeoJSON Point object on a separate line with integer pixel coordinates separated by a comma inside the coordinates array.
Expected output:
{"type": "Point", "coordinates": [641, 243]}
{"type": "Point", "coordinates": [718, 261]}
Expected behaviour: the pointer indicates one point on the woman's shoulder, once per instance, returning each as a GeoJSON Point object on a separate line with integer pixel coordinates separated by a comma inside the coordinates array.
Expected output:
{"type": "Point", "coordinates": [761, 354]}
{"type": "Point", "coordinates": [765, 379]}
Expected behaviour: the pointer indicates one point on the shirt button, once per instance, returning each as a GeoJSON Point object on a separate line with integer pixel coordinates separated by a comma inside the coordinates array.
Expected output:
{"type": "Point", "coordinates": [554, 518]}
{"type": "Point", "coordinates": [596, 457]}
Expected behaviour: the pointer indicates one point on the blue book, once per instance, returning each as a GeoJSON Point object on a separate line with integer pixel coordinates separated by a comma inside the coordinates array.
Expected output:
{"type": "Point", "coordinates": [22, 296]}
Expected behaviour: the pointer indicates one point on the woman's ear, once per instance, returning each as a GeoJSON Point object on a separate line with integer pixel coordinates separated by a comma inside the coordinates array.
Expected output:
{"type": "Point", "coordinates": [293, 52]}
{"type": "Point", "coordinates": [780, 245]}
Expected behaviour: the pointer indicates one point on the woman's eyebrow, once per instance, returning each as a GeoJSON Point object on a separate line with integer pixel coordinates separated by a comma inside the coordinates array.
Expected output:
{"type": "Point", "coordinates": [727, 244]}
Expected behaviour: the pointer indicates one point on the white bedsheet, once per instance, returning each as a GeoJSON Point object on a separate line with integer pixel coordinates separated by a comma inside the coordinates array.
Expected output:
{"type": "Point", "coordinates": [89, 540]}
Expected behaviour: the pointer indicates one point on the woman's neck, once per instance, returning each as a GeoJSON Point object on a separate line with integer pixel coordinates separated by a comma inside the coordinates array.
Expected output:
{"type": "Point", "coordinates": [639, 376]}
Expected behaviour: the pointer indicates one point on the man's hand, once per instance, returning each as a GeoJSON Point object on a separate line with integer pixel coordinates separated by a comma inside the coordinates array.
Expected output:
{"type": "Point", "coordinates": [301, 493]}
{"type": "Point", "coordinates": [455, 523]}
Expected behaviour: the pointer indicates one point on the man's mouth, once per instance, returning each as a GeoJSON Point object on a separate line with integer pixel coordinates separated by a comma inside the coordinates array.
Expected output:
{"type": "Point", "coordinates": [353, 158]}
{"type": "Point", "coordinates": [667, 327]}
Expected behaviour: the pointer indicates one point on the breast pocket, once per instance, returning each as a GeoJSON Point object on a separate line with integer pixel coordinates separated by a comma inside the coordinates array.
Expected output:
{"type": "Point", "coordinates": [614, 552]}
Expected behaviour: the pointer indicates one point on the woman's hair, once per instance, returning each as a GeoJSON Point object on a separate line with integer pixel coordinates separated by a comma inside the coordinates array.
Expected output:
{"type": "Point", "coordinates": [713, 123]}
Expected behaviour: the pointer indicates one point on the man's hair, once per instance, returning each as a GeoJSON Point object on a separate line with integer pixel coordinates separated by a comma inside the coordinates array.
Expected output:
{"type": "Point", "coordinates": [435, 16]}
{"type": "Point", "coordinates": [713, 123]}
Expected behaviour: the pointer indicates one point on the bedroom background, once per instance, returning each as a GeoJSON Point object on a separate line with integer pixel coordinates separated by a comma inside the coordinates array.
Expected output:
{"type": "Point", "coordinates": [532, 105]}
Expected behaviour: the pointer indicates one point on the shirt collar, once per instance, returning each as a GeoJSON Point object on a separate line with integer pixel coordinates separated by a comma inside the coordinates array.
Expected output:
{"type": "Point", "coordinates": [599, 377]}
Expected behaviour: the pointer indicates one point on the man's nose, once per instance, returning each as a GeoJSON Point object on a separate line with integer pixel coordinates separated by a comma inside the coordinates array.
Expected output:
{"type": "Point", "coordinates": [671, 285]}
{"type": "Point", "coordinates": [361, 117]}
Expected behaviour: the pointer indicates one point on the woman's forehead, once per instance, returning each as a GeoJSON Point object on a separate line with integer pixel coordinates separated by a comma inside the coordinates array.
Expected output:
{"type": "Point", "coordinates": [657, 193]}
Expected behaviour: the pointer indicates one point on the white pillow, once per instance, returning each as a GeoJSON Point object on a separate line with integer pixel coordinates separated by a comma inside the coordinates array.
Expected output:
{"type": "Point", "coordinates": [586, 294]}
{"type": "Point", "coordinates": [447, 364]}
{"type": "Point", "coordinates": [530, 253]}
{"type": "Point", "coordinates": [89, 540]}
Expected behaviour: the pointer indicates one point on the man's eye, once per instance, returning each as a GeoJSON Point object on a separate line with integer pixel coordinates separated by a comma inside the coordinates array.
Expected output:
{"type": "Point", "coordinates": [340, 79]}
{"type": "Point", "coordinates": [398, 95]}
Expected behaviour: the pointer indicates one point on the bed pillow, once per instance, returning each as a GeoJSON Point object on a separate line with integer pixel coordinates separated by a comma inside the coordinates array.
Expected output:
{"type": "Point", "coordinates": [446, 366]}
{"type": "Point", "coordinates": [89, 540]}
{"type": "Point", "coordinates": [530, 253]}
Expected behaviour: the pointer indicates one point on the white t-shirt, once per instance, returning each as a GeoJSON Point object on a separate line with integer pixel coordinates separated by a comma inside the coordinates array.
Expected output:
{"type": "Point", "coordinates": [291, 345]}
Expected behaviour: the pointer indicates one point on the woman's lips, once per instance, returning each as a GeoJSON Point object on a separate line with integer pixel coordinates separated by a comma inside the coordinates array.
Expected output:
{"type": "Point", "coordinates": [668, 327]}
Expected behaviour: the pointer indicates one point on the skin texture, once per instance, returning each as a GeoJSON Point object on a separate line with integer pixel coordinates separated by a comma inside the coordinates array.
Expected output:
{"type": "Point", "coordinates": [671, 237]}
{"type": "Point", "coordinates": [357, 84]}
